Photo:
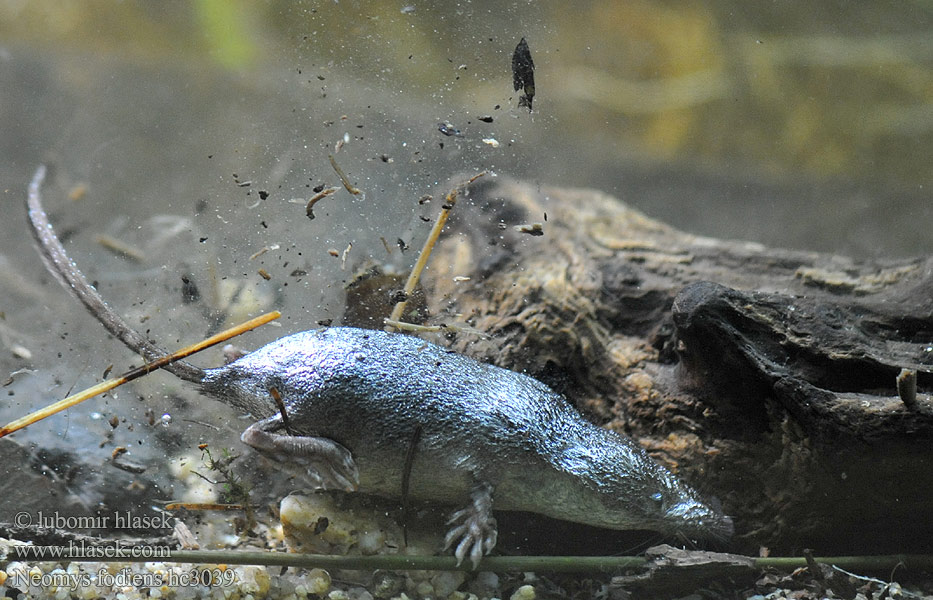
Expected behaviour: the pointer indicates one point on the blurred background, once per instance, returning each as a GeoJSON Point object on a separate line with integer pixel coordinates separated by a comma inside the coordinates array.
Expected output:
{"type": "Point", "coordinates": [184, 139]}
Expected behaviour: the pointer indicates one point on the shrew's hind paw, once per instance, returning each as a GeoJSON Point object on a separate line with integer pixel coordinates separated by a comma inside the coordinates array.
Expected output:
{"type": "Point", "coordinates": [321, 461]}
{"type": "Point", "coordinates": [474, 527]}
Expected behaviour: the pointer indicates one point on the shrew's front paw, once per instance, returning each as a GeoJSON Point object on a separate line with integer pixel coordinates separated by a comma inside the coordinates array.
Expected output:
{"type": "Point", "coordinates": [474, 527]}
{"type": "Point", "coordinates": [321, 461]}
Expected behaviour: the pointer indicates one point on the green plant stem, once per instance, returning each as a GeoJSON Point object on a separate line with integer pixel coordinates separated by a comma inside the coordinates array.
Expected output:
{"type": "Point", "coordinates": [579, 564]}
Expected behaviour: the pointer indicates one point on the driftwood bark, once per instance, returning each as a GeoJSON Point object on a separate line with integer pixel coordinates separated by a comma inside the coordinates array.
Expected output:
{"type": "Point", "coordinates": [764, 377]}
{"type": "Point", "coordinates": [672, 572]}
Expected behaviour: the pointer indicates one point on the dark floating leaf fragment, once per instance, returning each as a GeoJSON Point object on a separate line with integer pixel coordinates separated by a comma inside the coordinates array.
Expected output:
{"type": "Point", "coordinates": [523, 74]}
{"type": "Point", "coordinates": [485, 119]}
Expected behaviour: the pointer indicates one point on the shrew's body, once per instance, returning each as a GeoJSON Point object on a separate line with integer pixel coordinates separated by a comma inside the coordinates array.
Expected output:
{"type": "Point", "coordinates": [364, 405]}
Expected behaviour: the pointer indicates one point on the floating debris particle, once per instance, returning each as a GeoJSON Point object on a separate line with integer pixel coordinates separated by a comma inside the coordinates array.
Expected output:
{"type": "Point", "coordinates": [523, 74]}
{"type": "Point", "coordinates": [121, 249]}
{"type": "Point", "coordinates": [18, 372]}
{"type": "Point", "coordinates": [448, 129]}
{"type": "Point", "coordinates": [236, 180]}
{"type": "Point", "coordinates": [259, 252]}
{"type": "Point", "coordinates": [460, 278]}
{"type": "Point", "coordinates": [77, 192]}
{"type": "Point", "coordinates": [263, 194]}
{"type": "Point", "coordinates": [129, 467]}
{"type": "Point", "coordinates": [20, 352]}
{"type": "Point", "coordinates": [343, 257]}
{"type": "Point", "coordinates": [425, 199]}
{"type": "Point", "coordinates": [264, 274]}
{"type": "Point", "coordinates": [485, 119]}
{"type": "Point", "coordinates": [531, 229]}
{"type": "Point", "coordinates": [189, 290]}
{"type": "Point", "coordinates": [402, 245]}
{"type": "Point", "coordinates": [343, 178]}
{"type": "Point", "coordinates": [334, 252]}
{"type": "Point", "coordinates": [317, 198]}
{"type": "Point", "coordinates": [491, 142]}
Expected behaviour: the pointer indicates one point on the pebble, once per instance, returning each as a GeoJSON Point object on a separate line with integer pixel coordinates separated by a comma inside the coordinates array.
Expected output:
{"type": "Point", "coordinates": [525, 592]}
{"type": "Point", "coordinates": [446, 582]}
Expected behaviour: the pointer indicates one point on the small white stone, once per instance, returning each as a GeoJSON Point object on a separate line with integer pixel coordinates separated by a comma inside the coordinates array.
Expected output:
{"type": "Point", "coordinates": [318, 582]}
{"type": "Point", "coordinates": [525, 592]}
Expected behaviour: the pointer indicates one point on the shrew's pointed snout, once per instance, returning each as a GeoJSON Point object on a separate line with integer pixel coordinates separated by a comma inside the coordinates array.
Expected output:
{"type": "Point", "coordinates": [694, 518]}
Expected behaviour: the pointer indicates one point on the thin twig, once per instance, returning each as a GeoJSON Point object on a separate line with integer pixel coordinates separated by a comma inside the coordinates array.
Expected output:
{"type": "Point", "coordinates": [449, 202]}
{"type": "Point", "coordinates": [403, 326]}
{"type": "Point", "coordinates": [163, 361]}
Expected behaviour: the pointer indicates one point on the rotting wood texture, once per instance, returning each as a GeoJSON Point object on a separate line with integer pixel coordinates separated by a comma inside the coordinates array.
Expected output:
{"type": "Point", "coordinates": [765, 377]}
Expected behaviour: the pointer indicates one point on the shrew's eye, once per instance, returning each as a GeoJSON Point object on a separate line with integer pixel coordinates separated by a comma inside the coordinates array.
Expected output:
{"type": "Point", "coordinates": [657, 497]}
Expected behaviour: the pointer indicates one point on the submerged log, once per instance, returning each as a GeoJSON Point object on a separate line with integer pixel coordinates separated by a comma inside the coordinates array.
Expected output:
{"type": "Point", "coordinates": [765, 377]}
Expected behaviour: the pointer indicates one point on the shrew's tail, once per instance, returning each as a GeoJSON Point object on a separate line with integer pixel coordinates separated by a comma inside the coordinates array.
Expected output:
{"type": "Point", "coordinates": [64, 269]}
